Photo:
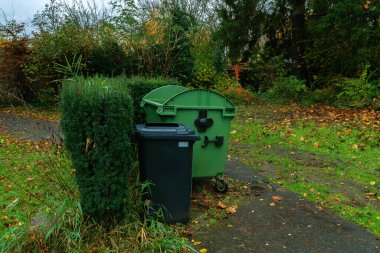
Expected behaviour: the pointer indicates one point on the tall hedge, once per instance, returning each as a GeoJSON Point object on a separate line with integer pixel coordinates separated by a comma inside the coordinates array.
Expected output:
{"type": "Point", "coordinates": [97, 123]}
{"type": "Point", "coordinates": [139, 87]}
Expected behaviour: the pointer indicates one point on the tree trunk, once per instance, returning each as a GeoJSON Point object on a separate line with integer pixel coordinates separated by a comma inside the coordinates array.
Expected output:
{"type": "Point", "coordinates": [298, 36]}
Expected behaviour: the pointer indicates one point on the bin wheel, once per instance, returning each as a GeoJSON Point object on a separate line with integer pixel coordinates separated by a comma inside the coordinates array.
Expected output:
{"type": "Point", "coordinates": [221, 186]}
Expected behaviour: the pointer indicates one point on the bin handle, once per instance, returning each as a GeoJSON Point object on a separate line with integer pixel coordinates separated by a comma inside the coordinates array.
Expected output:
{"type": "Point", "coordinates": [219, 140]}
{"type": "Point", "coordinates": [229, 112]}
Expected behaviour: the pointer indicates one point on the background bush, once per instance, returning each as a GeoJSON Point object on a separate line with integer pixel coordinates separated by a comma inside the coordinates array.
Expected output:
{"type": "Point", "coordinates": [287, 88]}
{"type": "Point", "coordinates": [358, 92]}
{"type": "Point", "coordinates": [97, 123]}
{"type": "Point", "coordinates": [138, 87]}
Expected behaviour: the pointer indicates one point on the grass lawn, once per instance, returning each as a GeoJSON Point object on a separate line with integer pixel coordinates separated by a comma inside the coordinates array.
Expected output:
{"type": "Point", "coordinates": [330, 156]}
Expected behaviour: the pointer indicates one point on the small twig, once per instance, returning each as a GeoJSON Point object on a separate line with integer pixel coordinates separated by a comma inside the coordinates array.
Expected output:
{"type": "Point", "coordinates": [26, 190]}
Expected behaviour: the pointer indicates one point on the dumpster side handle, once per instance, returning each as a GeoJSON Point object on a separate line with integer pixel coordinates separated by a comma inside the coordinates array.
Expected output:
{"type": "Point", "coordinates": [229, 112]}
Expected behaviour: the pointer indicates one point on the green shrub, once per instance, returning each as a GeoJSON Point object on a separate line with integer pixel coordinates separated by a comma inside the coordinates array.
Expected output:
{"type": "Point", "coordinates": [358, 92]}
{"type": "Point", "coordinates": [260, 74]}
{"type": "Point", "coordinates": [324, 95]}
{"type": "Point", "coordinates": [138, 87]}
{"type": "Point", "coordinates": [287, 88]}
{"type": "Point", "coordinates": [206, 77]}
{"type": "Point", "coordinates": [97, 124]}
{"type": "Point", "coordinates": [48, 96]}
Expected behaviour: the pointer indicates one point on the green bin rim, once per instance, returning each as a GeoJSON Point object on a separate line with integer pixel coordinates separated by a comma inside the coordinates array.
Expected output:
{"type": "Point", "coordinates": [181, 90]}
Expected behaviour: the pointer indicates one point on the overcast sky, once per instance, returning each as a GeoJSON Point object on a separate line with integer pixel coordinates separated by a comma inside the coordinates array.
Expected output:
{"type": "Point", "coordinates": [23, 10]}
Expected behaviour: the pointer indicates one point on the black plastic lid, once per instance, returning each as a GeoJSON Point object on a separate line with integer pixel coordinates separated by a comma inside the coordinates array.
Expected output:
{"type": "Point", "coordinates": [165, 131]}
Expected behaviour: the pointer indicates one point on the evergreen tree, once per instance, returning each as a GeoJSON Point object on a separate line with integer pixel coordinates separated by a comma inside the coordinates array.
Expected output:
{"type": "Point", "coordinates": [183, 63]}
{"type": "Point", "coordinates": [344, 35]}
{"type": "Point", "coordinates": [241, 27]}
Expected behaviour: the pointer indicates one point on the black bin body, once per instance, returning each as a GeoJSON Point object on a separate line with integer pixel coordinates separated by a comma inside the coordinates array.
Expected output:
{"type": "Point", "coordinates": [165, 158]}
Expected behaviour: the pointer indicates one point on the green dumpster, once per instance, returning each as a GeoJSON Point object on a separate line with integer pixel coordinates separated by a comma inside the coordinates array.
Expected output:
{"type": "Point", "coordinates": [208, 112]}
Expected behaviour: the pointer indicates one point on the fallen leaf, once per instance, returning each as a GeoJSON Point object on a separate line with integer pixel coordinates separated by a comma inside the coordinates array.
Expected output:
{"type": "Point", "coordinates": [311, 190]}
{"type": "Point", "coordinates": [221, 205]}
{"type": "Point", "coordinates": [29, 179]}
{"type": "Point", "coordinates": [348, 131]}
{"type": "Point", "coordinates": [8, 142]}
{"type": "Point", "coordinates": [316, 144]}
{"type": "Point", "coordinates": [355, 146]}
{"type": "Point", "coordinates": [272, 204]}
{"type": "Point", "coordinates": [203, 250]}
{"type": "Point", "coordinates": [372, 183]}
{"type": "Point", "coordinates": [196, 243]}
{"type": "Point", "coordinates": [233, 132]}
{"type": "Point", "coordinates": [206, 201]}
{"type": "Point", "coordinates": [277, 198]}
{"type": "Point", "coordinates": [231, 209]}
{"type": "Point", "coordinates": [229, 225]}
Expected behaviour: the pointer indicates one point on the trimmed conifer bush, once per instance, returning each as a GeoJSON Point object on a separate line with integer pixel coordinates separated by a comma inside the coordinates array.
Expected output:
{"type": "Point", "coordinates": [139, 87]}
{"type": "Point", "coordinates": [97, 123]}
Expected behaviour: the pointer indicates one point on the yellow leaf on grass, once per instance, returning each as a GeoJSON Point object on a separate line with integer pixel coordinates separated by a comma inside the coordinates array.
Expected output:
{"type": "Point", "coordinates": [355, 146]}
{"type": "Point", "coordinates": [316, 144]}
{"type": "Point", "coordinates": [233, 132]}
{"type": "Point", "coordinates": [221, 205]}
{"type": "Point", "coordinates": [203, 250]}
{"type": "Point", "coordinates": [232, 209]}
{"type": "Point", "coordinates": [372, 183]}
{"type": "Point", "coordinates": [196, 243]}
{"type": "Point", "coordinates": [272, 204]}
{"type": "Point", "coordinates": [29, 179]}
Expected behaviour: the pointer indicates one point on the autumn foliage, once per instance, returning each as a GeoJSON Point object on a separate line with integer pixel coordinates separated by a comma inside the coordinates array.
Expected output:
{"type": "Point", "coordinates": [13, 55]}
